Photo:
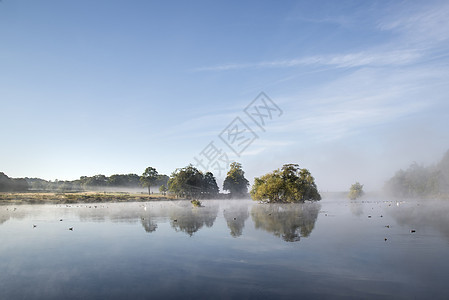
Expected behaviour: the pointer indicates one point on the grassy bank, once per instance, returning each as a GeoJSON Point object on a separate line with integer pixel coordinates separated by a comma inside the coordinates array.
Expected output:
{"type": "Point", "coordinates": [81, 197]}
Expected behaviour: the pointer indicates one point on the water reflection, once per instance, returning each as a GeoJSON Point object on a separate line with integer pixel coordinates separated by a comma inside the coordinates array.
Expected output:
{"type": "Point", "coordinates": [190, 219]}
{"type": "Point", "coordinates": [423, 214]}
{"type": "Point", "coordinates": [149, 224]}
{"type": "Point", "coordinates": [288, 221]}
{"type": "Point", "coordinates": [235, 217]}
{"type": "Point", "coordinates": [13, 212]}
{"type": "Point", "coordinates": [110, 255]}
{"type": "Point", "coordinates": [4, 218]}
{"type": "Point", "coordinates": [356, 208]}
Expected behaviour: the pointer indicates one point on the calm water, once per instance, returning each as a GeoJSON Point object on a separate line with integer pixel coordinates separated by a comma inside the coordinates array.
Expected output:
{"type": "Point", "coordinates": [335, 248]}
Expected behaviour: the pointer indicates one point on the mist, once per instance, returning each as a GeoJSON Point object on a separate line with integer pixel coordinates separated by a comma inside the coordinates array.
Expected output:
{"type": "Point", "coordinates": [369, 159]}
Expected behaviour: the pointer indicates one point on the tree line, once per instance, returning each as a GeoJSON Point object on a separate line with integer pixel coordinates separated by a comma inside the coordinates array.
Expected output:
{"type": "Point", "coordinates": [290, 184]}
{"type": "Point", "coordinates": [191, 183]}
{"type": "Point", "coordinates": [420, 181]}
{"type": "Point", "coordinates": [287, 184]}
{"type": "Point", "coordinates": [91, 182]}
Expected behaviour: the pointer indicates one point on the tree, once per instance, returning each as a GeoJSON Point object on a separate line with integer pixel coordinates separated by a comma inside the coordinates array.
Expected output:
{"type": "Point", "coordinates": [94, 181]}
{"type": "Point", "coordinates": [163, 189]}
{"type": "Point", "coordinates": [149, 178]}
{"type": "Point", "coordinates": [356, 191]}
{"type": "Point", "coordinates": [235, 181]}
{"type": "Point", "coordinates": [210, 187]}
{"type": "Point", "coordinates": [420, 181]}
{"type": "Point", "coordinates": [190, 183]}
{"type": "Point", "coordinates": [162, 179]}
{"type": "Point", "coordinates": [290, 184]}
{"type": "Point", "coordinates": [124, 180]}
{"type": "Point", "coordinates": [186, 182]}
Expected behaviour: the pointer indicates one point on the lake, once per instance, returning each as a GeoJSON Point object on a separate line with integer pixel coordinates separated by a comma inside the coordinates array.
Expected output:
{"type": "Point", "coordinates": [334, 248]}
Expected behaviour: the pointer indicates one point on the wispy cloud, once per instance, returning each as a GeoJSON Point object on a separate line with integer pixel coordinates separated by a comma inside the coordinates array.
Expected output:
{"type": "Point", "coordinates": [338, 20]}
{"type": "Point", "coordinates": [358, 59]}
{"type": "Point", "coordinates": [422, 23]}
{"type": "Point", "coordinates": [369, 97]}
{"type": "Point", "coordinates": [418, 29]}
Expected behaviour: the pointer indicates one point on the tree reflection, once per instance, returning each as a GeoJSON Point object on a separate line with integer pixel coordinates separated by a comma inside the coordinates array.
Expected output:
{"type": "Point", "coordinates": [4, 218]}
{"type": "Point", "coordinates": [190, 220]}
{"type": "Point", "coordinates": [12, 212]}
{"type": "Point", "coordinates": [235, 218]}
{"type": "Point", "coordinates": [148, 224]}
{"type": "Point", "coordinates": [356, 208]}
{"type": "Point", "coordinates": [288, 221]}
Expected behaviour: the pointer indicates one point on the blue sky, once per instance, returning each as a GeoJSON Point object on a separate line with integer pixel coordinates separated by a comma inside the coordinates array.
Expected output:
{"type": "Point", "coordinates": [106, 87]}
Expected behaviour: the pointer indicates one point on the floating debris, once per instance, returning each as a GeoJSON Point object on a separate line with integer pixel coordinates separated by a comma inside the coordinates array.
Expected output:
{"type": "Point", "coordinates": [71, 228]}
{"type": "Point", "coordinates": [385, 239]}
{"type": "Point", "coordinates": [60, 220]}
{"type": "Point", "coordinates": [388, 226]}
{"type": "Point", "coordinates": [369, 216]}
{"type": "Point", "coordinates": [412, 231]}
{"type": "Point", "coordinates": [34, 225]}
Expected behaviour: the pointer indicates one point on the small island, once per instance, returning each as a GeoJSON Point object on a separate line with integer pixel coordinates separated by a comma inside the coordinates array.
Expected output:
{"type": "Point", "coordinates": [290, 184]}
{"type": "Point", "coordinates": [356, 191]}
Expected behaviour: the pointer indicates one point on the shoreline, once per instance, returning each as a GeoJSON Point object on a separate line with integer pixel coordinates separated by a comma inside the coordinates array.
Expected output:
{"type": "Point", "coordinates": [78, 197]}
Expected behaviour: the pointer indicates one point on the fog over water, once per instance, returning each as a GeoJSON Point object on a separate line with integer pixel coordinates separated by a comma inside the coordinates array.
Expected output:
{"type": "Point", "coordinates": [367, 248]}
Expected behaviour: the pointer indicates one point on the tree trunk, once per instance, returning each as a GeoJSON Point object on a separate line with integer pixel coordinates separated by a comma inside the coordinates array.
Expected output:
{"type": "Point", "coordinates": [149, 191]}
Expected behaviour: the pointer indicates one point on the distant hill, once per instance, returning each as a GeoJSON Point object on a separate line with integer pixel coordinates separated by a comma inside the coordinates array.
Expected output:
{"type": "Point", "coordinates": [12, 184]}
{"type": "Point", "coordinates": [420, 181]}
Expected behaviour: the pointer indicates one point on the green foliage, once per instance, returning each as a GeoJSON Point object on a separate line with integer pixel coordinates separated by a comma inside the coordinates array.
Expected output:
{"type": "Point", "coordinates": [94, 181]}
{"type": "Point", "coordinates": [356, 191]}
{"type": "Point", "coordinates": [210, 187]}
{"type": "Point", "coordinates": [57, 185]}
{"type": "Point", "coordinates": [190, 183]}
{"type": "Point", "coordinates": [163, 189]}
{"type": "Point", "coordinates": [162, 179]}
{"type": "Point", "coordinates": [123, 180]}
{"type": "Point", "coordinates": [196, 203]}
{"type": "Point", "coordinates": [235, 181]}
{"type": "Point", "coordinates": [149, 178]}
{"type": "Point", "coordinates": [290, 184]}
{"type": "Point", "coordinates": [420, 181]}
